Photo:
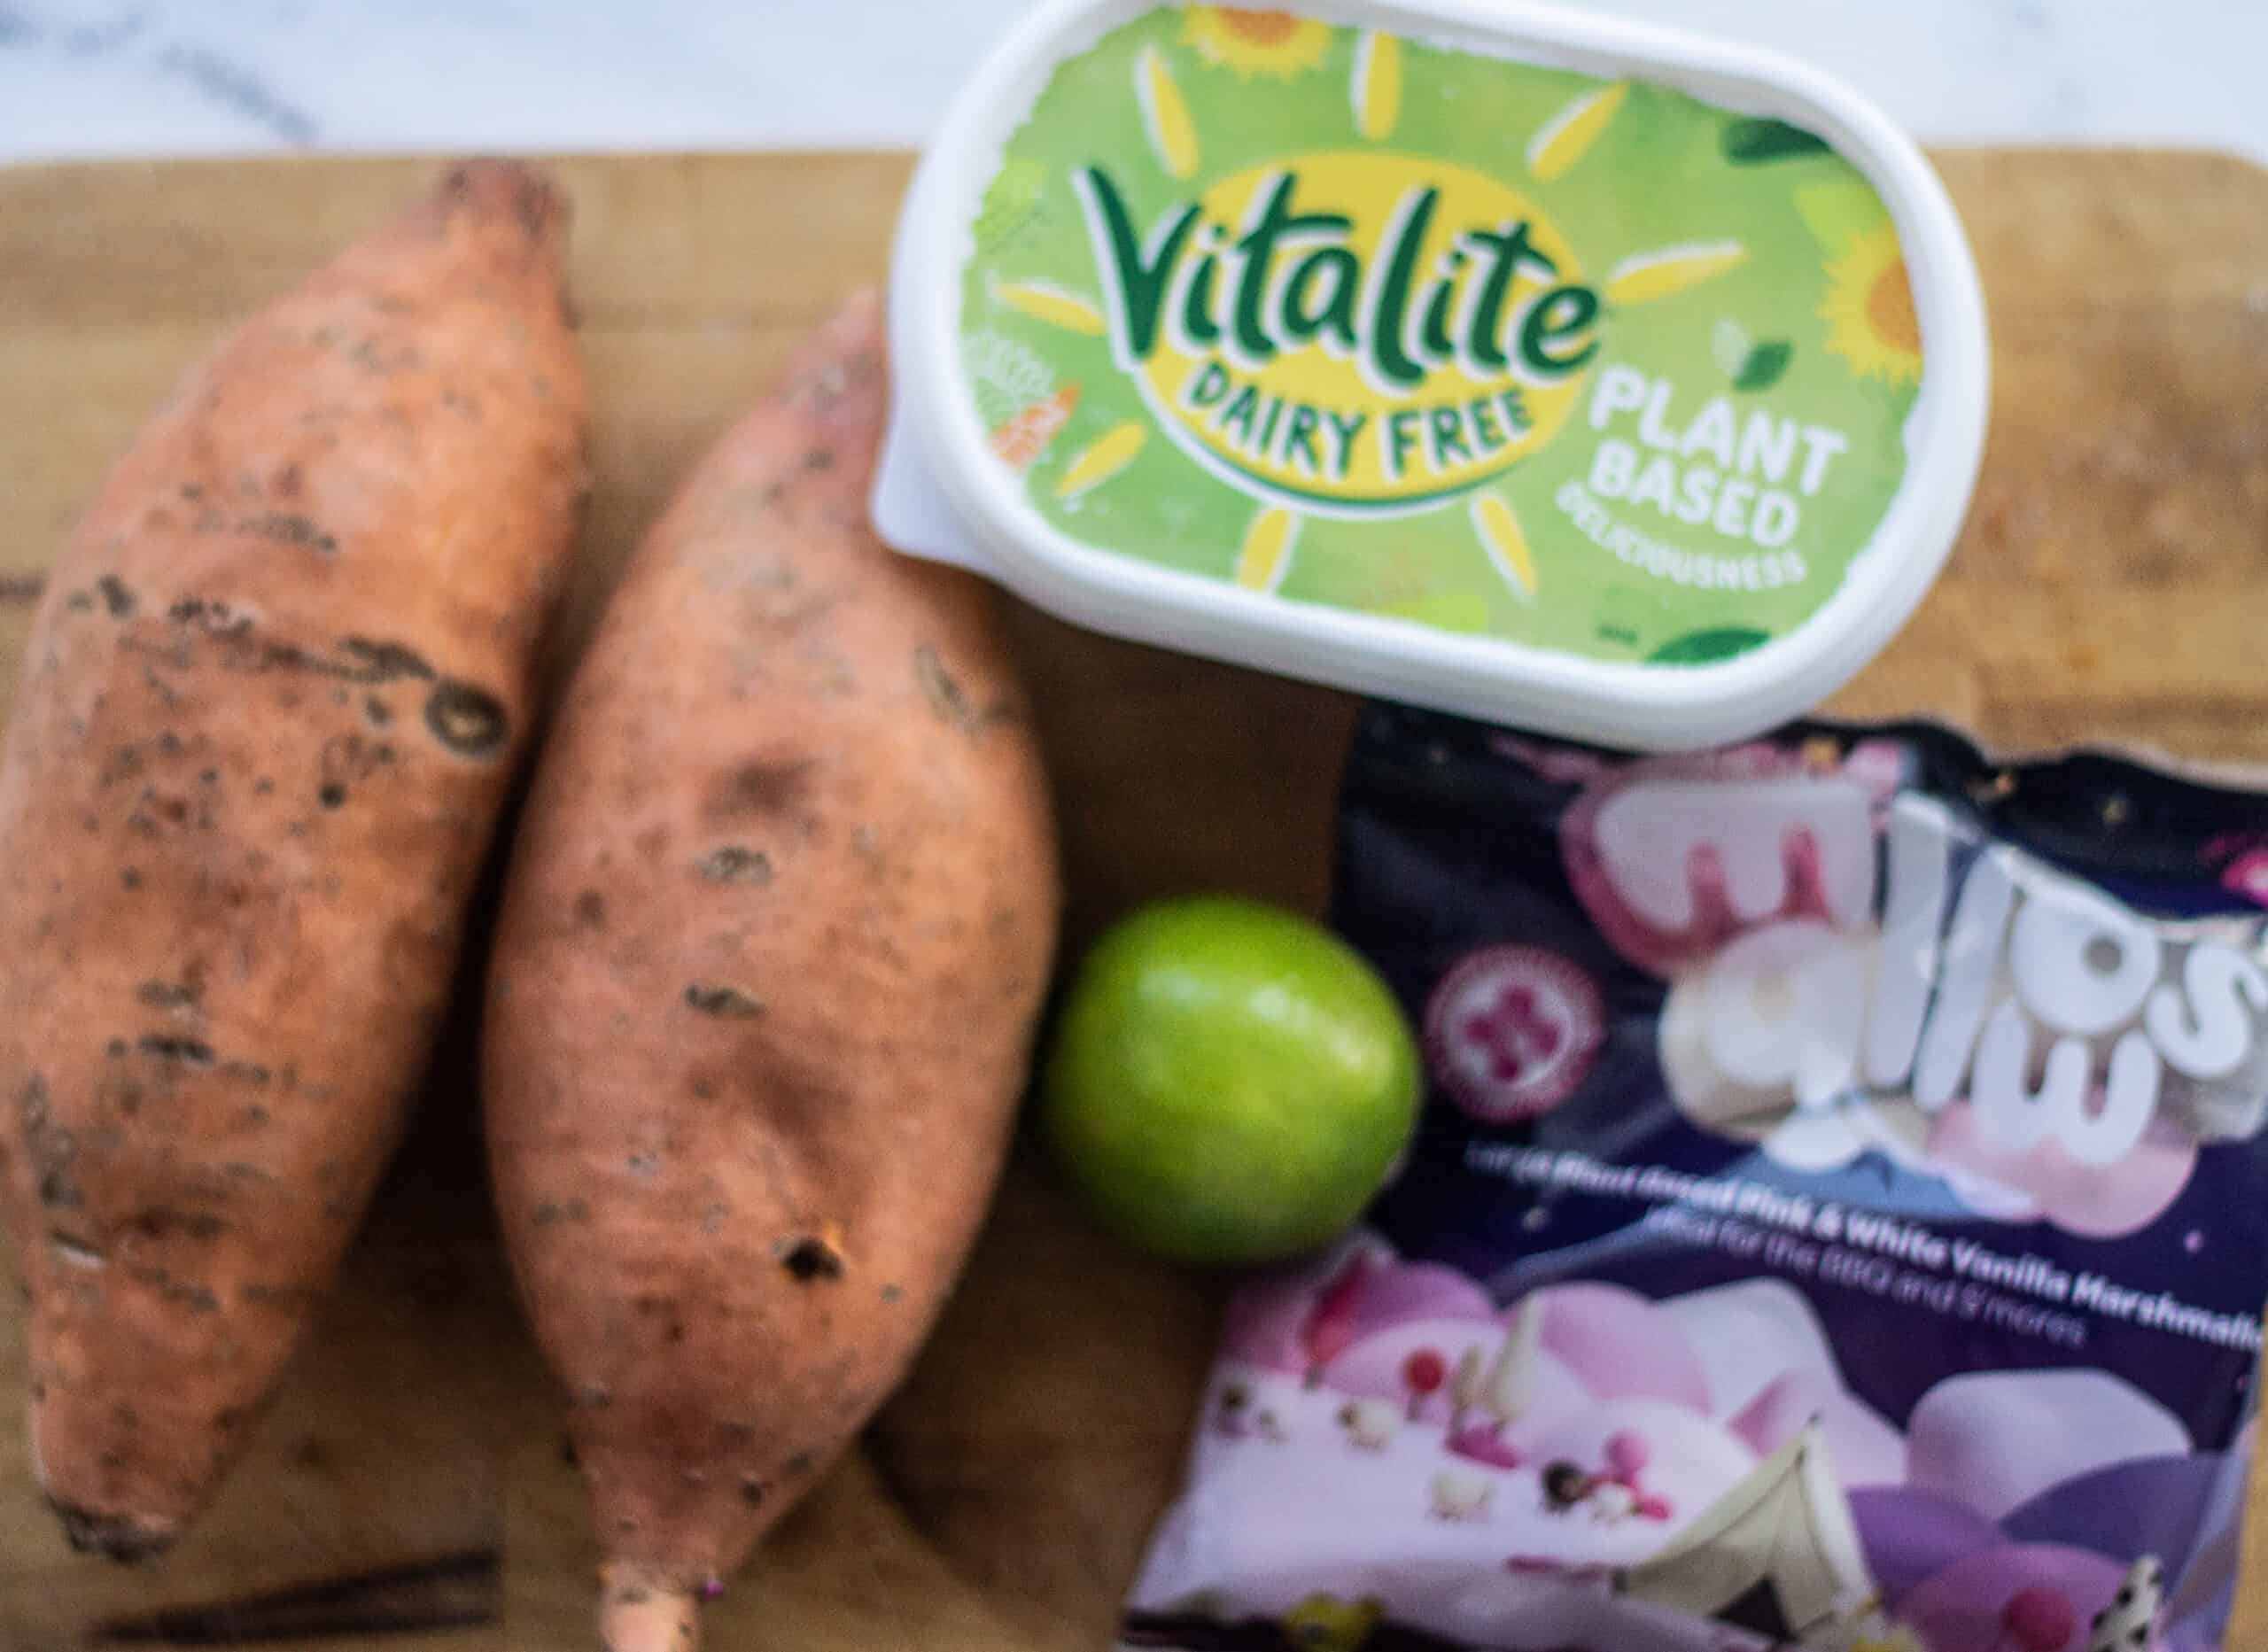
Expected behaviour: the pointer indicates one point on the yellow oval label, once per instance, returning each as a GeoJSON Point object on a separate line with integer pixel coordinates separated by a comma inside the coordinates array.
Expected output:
{"type": "Point", "coordinates": [1349, 330]}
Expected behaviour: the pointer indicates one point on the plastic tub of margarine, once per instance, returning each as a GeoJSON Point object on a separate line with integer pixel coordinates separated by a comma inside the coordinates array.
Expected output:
{"type": "Point", "coordinates": [1509, 361]}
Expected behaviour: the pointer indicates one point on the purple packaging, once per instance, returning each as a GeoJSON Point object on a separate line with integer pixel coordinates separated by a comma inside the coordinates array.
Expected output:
{"type": "Point", "coordinates": [1839, 1218]}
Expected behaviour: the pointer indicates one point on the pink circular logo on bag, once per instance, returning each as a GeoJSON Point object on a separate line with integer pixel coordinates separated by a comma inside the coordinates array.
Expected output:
{"type": "Point", "coordinates": [1513, 1030]}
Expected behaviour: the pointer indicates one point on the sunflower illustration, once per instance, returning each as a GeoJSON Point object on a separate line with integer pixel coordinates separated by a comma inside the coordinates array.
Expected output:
{"type": "Point", "coordinates": [1274, 44]}
{"type": "Point", "coordinates": [1869, 308]}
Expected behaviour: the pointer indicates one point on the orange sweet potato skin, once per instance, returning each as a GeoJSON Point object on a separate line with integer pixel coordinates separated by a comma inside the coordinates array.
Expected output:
{"type": "Point", "coordinates": [776, 930]}
{"type": "Point", "coordinates": [268, 715]}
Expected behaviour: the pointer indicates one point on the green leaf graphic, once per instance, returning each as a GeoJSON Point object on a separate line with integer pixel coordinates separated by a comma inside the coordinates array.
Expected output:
{"type": "Point", "coordinates": [1752, 142]}
{"type": "Point", "coordinates": [1706, 647]}
{"type": "Point", "coordinates": [1764, 365]}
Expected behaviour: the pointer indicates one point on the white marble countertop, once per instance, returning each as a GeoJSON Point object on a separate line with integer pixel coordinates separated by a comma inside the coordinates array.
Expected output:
{"type": "Point", "coordinates": [141, 77]}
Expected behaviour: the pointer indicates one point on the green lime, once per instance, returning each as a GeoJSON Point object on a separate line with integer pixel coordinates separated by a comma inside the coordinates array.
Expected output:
{"type": "Point", "coordinates": [1230, 1083]}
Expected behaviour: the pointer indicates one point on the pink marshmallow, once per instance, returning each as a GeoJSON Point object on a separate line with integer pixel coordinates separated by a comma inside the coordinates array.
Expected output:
{"type": "Point", "coordinates": [1996, 1439]}
{"type": "Point", "coordinates": [1373, 1368]}
{"type": "Point", "coordinates": [1620, 1345]}
{"type": "Point", "coordinates": [2099, 1203]}
{"type": "Point", "coordinates": [1866, 1449]}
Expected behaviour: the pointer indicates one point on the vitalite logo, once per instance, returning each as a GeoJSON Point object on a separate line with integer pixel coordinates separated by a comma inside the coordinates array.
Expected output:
{"type": "Point", "coordinates": [1352, 332]}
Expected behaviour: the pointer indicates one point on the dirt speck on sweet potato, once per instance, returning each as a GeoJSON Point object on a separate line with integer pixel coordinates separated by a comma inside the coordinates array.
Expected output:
{"type": "Point", "coordinates": [470, 721]}
{"type": "Point", "coordinates": [760, 786]}
{"type": "Point", "coordinates": [187, 1051]}
{"type": "Point", "coordinates": [727, 1003]}
{"type": "Point", "coordinates": [808, 1259]}
{"type": "Point", "coordinates": [734, 863]}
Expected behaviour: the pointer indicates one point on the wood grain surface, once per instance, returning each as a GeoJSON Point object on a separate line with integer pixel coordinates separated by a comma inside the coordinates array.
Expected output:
{"type": "Point", "coordinates": [2110, 587]}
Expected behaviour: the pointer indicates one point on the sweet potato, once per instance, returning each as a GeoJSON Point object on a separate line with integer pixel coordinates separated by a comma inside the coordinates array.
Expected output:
{"type": "Point", "coordinates": [269, 711]}
{"type": "Point", "coordinates": [775, 932]}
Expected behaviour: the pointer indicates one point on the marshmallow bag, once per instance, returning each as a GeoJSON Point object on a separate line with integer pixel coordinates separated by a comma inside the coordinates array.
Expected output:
{"type": "Point", "coordinates": [1839, 1218]}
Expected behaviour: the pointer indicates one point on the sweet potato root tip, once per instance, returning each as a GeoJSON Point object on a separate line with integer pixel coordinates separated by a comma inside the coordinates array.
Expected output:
{"type": "Point", "coordinates": [522, 192]}
{"type": "Point", "coordinates": [114, 1537]}
{"type": "Point", "coordinates": [638, 1616]}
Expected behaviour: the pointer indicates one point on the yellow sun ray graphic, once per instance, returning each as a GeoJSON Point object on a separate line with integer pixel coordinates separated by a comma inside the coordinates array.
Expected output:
{"type": "Point", "coordinates": [1375, 87]}
{"type": "Point", "coordinates": [1868, 308]}
{"type": "Point", "coordinates": [1102, 459]}
{"type": "Point", "coordinates": [1165, 116]}
{"type": "Point", "coordinates": [1265, 556]}
{"type": "Point", "coordinates": [1501, 536]}
{"type": "Point", "coordinates": [1274, 44]}
{"type": "Point", "coordinates": [1043, 301]}
{"type": "Point", "coordinates": [1643, 277]}
{"type": "Point", "coordinates": [1566, 138]}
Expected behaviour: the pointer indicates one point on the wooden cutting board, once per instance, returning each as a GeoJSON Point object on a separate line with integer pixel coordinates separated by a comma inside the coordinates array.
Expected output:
{"type": "Point", "coordinates": [2111, 586]}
